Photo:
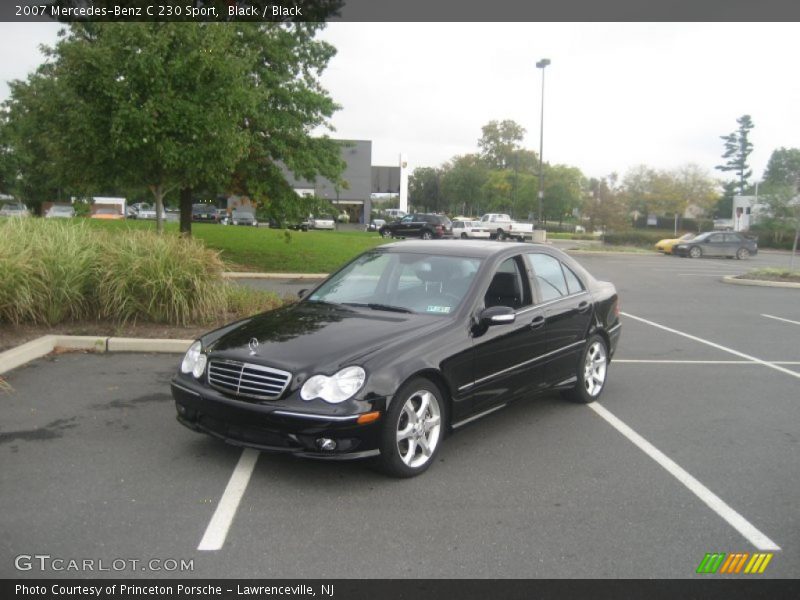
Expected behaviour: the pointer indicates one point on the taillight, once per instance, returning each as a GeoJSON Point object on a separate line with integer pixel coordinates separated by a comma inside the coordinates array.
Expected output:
{"type": "Point", "coordinates": [438, 229]}
{"type": "Point", "coordinates": [616, 308]}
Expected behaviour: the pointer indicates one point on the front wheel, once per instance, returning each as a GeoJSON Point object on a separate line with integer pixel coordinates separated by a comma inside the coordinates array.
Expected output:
{"type": "Point", "coordinates": [413, 429]}
{"type": "Point", "coordinates": [695, 252]}
{"type": "Point", "coordinates": [427, 235]}
{"type": "Point", "coordinates": [463, 236]}
{"type": "Point", "coordinates": [591, 371]}
{"type": "Point", "coordinates": [742, 253]}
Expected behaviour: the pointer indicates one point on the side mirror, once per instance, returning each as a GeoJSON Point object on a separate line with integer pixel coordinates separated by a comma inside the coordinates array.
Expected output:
{"type": "Point", "coordinates": [302, 293]}
{"type": "Point", "coordinates": [497, 315]}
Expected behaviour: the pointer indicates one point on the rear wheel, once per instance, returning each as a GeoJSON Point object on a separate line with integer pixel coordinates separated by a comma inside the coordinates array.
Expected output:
{"type": "Point", "coordinates": [463, 236]}
{"type": "Point", "coordinates": [427, 235]}
{"type": "Point", "coordinates": [413, 429]}
{"type": "Point", "coordinates": [385, 233]}
{"type": "Point", "coordinates": [695, 252]}
{"type": "Point", "coordinates": [591, 372]}
{"type": "Point", "coordinates": [501, 235]}
{"type": "Point", "coordinates": [742, 253]}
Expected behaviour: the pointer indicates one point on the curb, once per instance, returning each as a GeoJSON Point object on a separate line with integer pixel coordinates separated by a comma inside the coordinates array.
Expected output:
{"type": "Point", "coordinates": [237, 275]}
{"type": "Point", "coordinates": [16, 357]}
{"type": "Point", "coordinates": [760, 282]}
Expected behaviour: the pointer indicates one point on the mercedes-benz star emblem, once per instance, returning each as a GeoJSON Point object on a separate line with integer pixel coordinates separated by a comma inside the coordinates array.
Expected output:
{"type": "Point", "coordinates": [253, 346]}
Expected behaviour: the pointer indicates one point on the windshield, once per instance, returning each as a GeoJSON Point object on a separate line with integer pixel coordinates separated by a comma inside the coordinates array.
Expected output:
{"type": "Point", "coordinates": [402, 282]}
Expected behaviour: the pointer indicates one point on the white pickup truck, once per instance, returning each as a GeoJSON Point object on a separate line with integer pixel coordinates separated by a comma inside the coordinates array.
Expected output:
{"type": "Point", "coordinates": [501, 226]}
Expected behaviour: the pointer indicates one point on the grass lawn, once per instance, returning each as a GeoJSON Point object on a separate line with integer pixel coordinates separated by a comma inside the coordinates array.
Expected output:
{"type": "Point", "coordinates": [270, 250]}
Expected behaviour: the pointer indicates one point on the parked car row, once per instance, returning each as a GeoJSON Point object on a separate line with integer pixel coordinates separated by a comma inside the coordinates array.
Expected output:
{"type": "Point", "coordinates": [729, 244]}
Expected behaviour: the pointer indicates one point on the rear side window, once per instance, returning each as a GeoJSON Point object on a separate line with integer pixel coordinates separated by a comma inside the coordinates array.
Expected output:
{"type": "Point", "coordinates": [554, 278]}
{"type": "Point", "coordinates": [574, 284]}
{"type": "Point", "coordinates": [548, 275]}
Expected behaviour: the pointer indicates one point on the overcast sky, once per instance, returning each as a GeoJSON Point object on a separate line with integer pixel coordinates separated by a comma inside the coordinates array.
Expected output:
{"type": "Point", "coordinates": [616, 95]}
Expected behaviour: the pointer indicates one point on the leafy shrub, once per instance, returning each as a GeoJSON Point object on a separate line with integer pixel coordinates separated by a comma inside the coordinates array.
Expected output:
{"type": "Point", "coordinates": [634, 237]}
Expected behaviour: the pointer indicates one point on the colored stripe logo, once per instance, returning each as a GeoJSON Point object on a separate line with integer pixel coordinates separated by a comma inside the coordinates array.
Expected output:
{"type": "Point", "coordinates": [735, 563]}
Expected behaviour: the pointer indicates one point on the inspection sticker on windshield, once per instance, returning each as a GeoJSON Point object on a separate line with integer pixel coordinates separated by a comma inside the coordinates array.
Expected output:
{"type": "Point", "coordinates": [439, 309]}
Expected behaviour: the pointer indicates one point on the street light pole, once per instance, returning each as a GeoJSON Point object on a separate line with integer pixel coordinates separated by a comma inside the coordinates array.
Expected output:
{"type": "Point", "coordinates": [541, 65]}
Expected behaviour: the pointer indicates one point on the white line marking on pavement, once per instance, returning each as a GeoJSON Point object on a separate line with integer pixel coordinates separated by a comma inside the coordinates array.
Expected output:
{"type": "Point", "coordinates": [714, 502]}
{"type": "Point", "coordinates": [717, 346]}
{"type": "Point", "coordinates": [781, 319]}
{"type": "Point", "coordinates": [699, 362]}
{"type": "Point", "coordinates": [217, 529]}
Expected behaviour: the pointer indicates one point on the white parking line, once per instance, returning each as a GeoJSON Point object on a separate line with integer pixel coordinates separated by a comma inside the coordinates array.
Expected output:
{"type": "Point", "coordinates": [217, 529]}
{"type": "Point", "coordinates": [781, 319]}
{"type": "Point", "coordinates": [714, 345]}
{"type": "Point", "coordinates": [714, 502]}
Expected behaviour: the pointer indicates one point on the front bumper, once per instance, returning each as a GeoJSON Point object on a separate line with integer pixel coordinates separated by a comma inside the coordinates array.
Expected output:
{"type": "Point", "coordinates": [273, 429]}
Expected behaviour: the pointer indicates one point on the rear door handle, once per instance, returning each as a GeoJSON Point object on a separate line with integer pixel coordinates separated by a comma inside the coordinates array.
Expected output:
{"type": "Point", "coordinates": [583, 306]}
{"type": "Point", "coordinates": [537, 322]}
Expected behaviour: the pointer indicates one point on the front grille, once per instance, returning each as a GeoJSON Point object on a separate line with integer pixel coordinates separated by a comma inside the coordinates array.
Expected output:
{"type": "Point", "coordinates": [246, 379]}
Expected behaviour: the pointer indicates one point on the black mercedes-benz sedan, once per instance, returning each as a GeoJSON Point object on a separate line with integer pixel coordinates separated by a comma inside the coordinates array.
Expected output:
{"type": "Point", "coordinates": [404, 343]}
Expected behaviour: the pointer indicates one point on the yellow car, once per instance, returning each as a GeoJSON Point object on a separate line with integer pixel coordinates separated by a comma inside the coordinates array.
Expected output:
{"type": "Point", "coordinates": [667, 245]}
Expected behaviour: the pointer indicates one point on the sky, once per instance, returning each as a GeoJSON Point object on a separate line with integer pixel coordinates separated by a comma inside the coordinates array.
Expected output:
{"type": "Point", "coordinates": [617, 95]}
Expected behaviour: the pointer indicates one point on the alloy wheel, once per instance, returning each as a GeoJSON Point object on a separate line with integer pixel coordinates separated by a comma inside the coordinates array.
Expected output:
{"type": "Point", "coordinates": [594, 369]}
{"type": "Point", "coordinates": [419, 428]}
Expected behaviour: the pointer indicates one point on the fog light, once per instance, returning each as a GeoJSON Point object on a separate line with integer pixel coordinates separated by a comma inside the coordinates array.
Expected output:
{"type": "Point", "coordinates": [326, 444]}
{"type": "Point", "coordinates": [181, 409]}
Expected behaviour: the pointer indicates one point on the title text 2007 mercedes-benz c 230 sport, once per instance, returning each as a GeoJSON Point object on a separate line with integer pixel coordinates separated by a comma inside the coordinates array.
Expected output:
{"type": "Point", "coordinates": [401, 345]}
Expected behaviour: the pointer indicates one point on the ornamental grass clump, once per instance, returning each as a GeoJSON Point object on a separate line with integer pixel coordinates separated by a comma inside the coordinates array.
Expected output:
{"type": "Point", "coordinates": [47, 271]}
{"type": "Point", "coordinates": [159, 278]}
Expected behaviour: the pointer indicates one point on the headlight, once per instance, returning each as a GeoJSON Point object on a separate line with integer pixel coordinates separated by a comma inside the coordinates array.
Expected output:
{"type": "Point", "coordinates": [334, 389]}
{"type": "Point", "coordinates": [195, 361]}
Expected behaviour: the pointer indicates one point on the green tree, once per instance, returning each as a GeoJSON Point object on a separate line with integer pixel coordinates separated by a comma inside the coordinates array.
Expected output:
{"type": "Point", "coordinates": [605, 204]}
{"type": "Point", "coordinates": [737, 151]}
{"type": "Point", "coordinates": [160, 105]}
{"type": "Point", "coordinates": [783, 168]}
{"type": "Point", "coordinates": [290, 105]}
{"type": "Point", "coordinates": [461, 184]}
{"type": "Point", "coordinates": [423, 189]}
{"type": "Point", "coordinates": [562, 193]}
{"type": "Point", "coordinates": [499, 142]}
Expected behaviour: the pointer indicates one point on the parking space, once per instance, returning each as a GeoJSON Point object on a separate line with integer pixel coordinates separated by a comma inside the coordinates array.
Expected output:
{"type": "Point", "coordinates": [93, 464]}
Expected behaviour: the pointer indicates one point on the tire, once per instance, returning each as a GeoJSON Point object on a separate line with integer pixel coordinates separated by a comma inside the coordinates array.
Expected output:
{"type": "Point", "coordinates": [463, 236]}
{"type": "Point", "coordinates": [695, 252]}
{"type": "Point", "coordinates": [410, 428]}
{"type": "Point", "coordinates": [501, 235]}
{"type": "Point", "coordinates": [427, 235]}
{"type": "Point", "coordinates": [385, 233]}
{"type": "Point", "coordinates": [742, 253]}
{"type": "Point", "coordinates": [591, 372]}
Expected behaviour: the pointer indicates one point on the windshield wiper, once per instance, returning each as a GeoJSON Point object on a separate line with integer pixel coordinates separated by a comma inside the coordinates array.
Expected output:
{"type": "Point", "coordinates": [376, 306]}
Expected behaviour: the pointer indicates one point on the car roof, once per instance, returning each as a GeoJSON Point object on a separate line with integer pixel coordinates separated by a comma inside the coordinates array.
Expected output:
{"type": "Point", "coordinates": [476, 248]}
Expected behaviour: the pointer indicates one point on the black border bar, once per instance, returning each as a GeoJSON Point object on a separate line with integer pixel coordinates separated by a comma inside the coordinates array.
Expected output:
{"type": "Point", "coordinates": [412, 589]}
{"type": "Point", "coordinates": [407, 10]}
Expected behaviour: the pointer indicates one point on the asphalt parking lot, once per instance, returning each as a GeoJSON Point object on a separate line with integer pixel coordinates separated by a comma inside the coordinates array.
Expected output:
{"type": "Point", "coordinates": [94, 466]}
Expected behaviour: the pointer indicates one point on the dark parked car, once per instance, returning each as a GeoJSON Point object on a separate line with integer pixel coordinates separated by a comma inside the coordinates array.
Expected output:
{"type": "Point", "coordinates": [401, 345]}
{"type": "Point", "coordinates": [717, 243]}
{"type": "Point", "coordinates": [242, 216]}
{"type": "Point", "coordinates": [421, 225]}
{"type": "Point", "coordinates": [204, 212]}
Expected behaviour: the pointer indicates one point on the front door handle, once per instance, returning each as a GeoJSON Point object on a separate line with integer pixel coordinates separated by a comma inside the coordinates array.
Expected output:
{"type": "Point", "coordinates": [537, 322]}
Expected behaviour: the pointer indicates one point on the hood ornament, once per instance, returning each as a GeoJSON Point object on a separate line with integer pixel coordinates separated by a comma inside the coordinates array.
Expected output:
{"type": "Point", "coordinates": [253, 346]}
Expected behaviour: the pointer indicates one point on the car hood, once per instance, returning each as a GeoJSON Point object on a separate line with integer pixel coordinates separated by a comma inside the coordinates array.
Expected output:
{"type": "Point", "coordinates": [319, 336]}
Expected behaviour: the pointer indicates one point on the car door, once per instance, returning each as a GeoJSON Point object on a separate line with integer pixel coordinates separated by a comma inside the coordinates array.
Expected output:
{"type": "Point", "coordinates": [733, 242]}
{"type": "Point", "coordinates": [714, 245]}
{"type": "Point", "coordinates": [506, 354]}
{"type": "Point", "coordinates": [567, 308]}
{"type": "Point", "coordinates": [402, 228]}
